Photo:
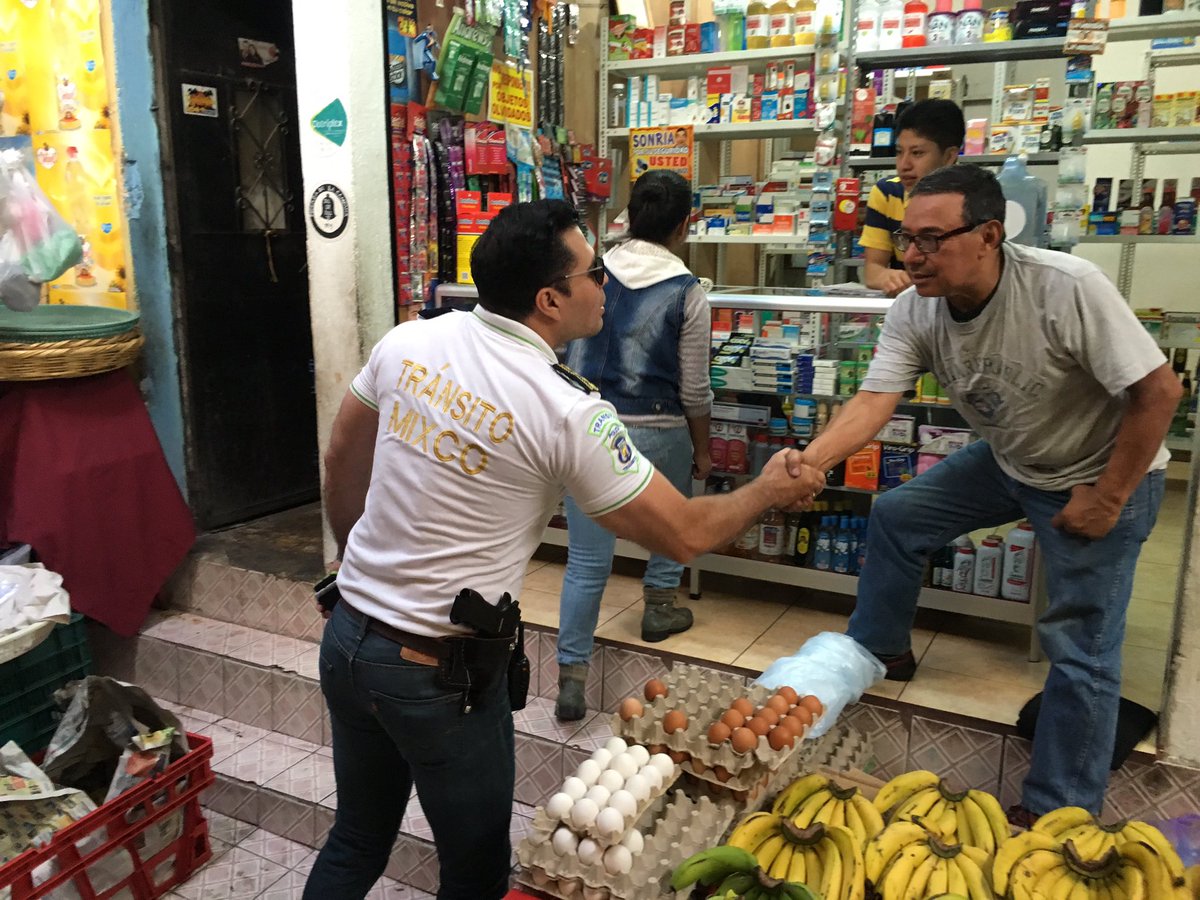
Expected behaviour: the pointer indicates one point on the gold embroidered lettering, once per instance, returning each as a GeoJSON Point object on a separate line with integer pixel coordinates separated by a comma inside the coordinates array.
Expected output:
{"type": "Point", "coordinates": [483, 459]}
{"type": "Point", "coordinates": [460, 404]}
{"type": "Point", "coordinates": [415, 377]}
{"type": "Point", "coordinates": [426, 430]}
{"type": "Point", "coordinates": [486, 408]}
{"type": "Point", "coordinates": [394, 422]}
{"type": "Point", "coordinates": [403, 372]}
{"type": "Point", "coordinates": [437, 445]}
{"type": "Point", "coordinates": [500, 439]}
{"type": "Point", "coordinates": [449, 392]}
{"type": "Point", "coordinates": [430, 388]}
{"type": "Point", "coordinates": [405, 428]}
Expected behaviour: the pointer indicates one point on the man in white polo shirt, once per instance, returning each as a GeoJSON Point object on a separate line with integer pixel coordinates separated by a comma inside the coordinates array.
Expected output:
{"type": "Point", "coordinates": [449, 453]}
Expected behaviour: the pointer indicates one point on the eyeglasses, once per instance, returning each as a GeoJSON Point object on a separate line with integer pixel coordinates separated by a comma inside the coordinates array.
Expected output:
{"type": "Point", "coordinates": [927, 243]}
{"type": "Point", "coordinates": [596, 273]}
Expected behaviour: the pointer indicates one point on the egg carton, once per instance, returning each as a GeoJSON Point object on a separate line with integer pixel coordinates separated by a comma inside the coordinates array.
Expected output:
{"type": "Point", "coordinates": [677, 828]}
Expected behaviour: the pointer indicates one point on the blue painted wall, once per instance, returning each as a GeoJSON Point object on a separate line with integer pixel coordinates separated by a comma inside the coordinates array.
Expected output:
{"type": "Point", "coordinates": [147, 226]}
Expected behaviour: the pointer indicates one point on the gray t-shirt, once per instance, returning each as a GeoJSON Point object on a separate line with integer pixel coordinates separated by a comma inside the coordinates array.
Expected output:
{"type": "Point", "coordinates": [1041, 374]}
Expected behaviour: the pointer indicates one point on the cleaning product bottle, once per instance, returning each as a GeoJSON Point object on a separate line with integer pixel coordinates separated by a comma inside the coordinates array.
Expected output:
{"type": "Point", "coordinates": [804, 23]}
{"type": "Point", "coordinates": [781, 23]}
{"type": "Point", "coordinates": [1018, 563]}
{"type": "Point", "coordinates": [804, 539]}
{"type": "Point", "coordinates": [758, 25]}
{"type": "Point", "coordinates": [989, 564]}
{"type": "Point", "coordinates": [968, 27]}
{"type": "Point", "coordinates": [823, 555]}
{"type": "Point", "coordinates": [1025, 203]}
{"type": "Point", "coordinates": [867, 25]}
{"type": "Point", "coordinates": [891, 24]}
{"type": "Point", "coordinates": [940, 28]}
{"type": "Point", "coordinates": [916, 15]}
{"type": "Point", "coordinates": [964, 565]}
{"type": "Point", "coordinates": [731, 24]}
{"type": "Point", "coordinates": [841, 547]}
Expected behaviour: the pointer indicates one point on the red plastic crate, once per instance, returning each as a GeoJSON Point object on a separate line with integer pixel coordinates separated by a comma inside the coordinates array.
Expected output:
{"type": "Point", "coordinates": [127, 819]}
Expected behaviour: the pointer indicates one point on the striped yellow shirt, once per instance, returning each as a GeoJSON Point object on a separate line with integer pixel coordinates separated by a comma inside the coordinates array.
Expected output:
{"type": "Point", "coordinates": [885, 212]}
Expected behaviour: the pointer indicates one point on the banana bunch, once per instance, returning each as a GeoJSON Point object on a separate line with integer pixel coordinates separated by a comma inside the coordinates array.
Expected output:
{"type": "Point", "coordinates": [1038, 866]}
{"type": "Point", "coordinates": [814, 798]}
{"type": "Point", "coordinates": [906, 861]}
{"type": "Point", "coordinates": [736, 874]}
{"type": "Point", "coordinates": [1092, 840]}
{"type": "Point", "coordinates": [971, 818]}
{"type": "Point", "coordinates": [826, 858]}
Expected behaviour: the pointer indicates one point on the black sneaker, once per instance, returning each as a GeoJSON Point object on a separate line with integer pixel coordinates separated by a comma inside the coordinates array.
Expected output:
{"type": "Point", "coordinates": [1019, 817]}
{"type": "Point", "coordinates": [899, 668]}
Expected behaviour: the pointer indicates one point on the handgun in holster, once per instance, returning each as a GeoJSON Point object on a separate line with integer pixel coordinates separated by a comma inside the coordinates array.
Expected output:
{"type": "Point", "coordinates": [475, 663]}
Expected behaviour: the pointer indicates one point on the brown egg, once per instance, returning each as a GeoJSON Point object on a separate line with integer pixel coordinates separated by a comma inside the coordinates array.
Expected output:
{"type": "Point", "coordinates": [812, 704]}
{"type": "Point", "coordinates": [655, 688]}
{"type": "Point", "coordinates": [631, 708]}
{"type": "Point", "coordinates": [674, 721]}
{"type": "Point", "coordinates": [740, 796]}
{"type": "Point", "coordinates": [801, 715]}
{"type": "Point", "coordinates": [722, 774]}
{"type": "Point", "coordinates": [657, 748]}
{"type": "Point", "coordinates": [790, 724]}
{"type": "Point", "coordinates": [719, 733]}
{"type": "Point", "coordinates": [743, 740]}
{"type": "Point", "coordinates": [758, 726]}
{"type": "Point", "coordinates": [677, 756]}
{"type": "Point", "coordinates": [744, 706]}
{"type": "Point", "coordinates": [698, 767]}
{"type": "Point", "coordinates": [779, 704]}
{"type": "Point", "coordinates": [733, 718]}
{"type": "Point", "coordinates": [768, 715]}
{"type": "Point", "coordinates": [788, 694]}
{"type": "Point", "coordinates": [780, 737]}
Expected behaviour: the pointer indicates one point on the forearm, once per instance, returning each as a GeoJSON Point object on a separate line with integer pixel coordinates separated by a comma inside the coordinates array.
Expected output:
{"type": "Point", "coordinates": [858, 422]}
{"type": "Point", "coordinates": [1139, 437]}
{"type": "Point", "coordinates": [716, 520]}
{"type": "Point", "coordinates": [345, 499]}
{"type": "Point", "coordinates": [874, 274]}
{"type": "Point", "coordinates": [698, 427]}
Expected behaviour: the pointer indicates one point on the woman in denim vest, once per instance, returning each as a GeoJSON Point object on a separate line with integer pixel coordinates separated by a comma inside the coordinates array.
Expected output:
{"type": "Point", "coordinates": [650, 361]}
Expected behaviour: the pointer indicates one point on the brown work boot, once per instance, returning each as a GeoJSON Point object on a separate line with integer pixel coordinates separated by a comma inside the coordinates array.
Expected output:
{"type": "Point", "coordinates": [662, 618]}
{"type": "Point", "coordinates": [572, 679]}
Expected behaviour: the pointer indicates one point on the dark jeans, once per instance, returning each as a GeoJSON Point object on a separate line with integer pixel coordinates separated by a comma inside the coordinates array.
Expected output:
{"type": "Point", "coordinates": [393, 726]}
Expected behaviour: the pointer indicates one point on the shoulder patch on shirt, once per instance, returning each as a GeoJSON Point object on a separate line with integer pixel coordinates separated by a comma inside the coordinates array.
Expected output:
{"type": "Point", "coordinates": [607, 428]}
{"type": "Point", "coordinates": [573, 378]}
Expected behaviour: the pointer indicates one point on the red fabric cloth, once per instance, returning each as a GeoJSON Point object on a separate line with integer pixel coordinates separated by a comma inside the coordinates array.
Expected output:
{"type": "Point", "coordinates": [83, 480]}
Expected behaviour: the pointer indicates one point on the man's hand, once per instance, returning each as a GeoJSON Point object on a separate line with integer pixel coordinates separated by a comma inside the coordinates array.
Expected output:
{"type": "Point", "coordinates": [701, 465]}
{"type": "Point", "coordinates": [895, 281]}
{"type": "Point", "coordinates": [329, 567]}
{"type": "Point", "coordinates": [1088, 513]}
{"type": "Point", "coordinates": [797, 482]}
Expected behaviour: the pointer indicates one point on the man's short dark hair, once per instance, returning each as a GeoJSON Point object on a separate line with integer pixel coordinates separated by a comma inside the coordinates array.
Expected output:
{"type": "Point", "coordinates": [940, 121]}
{"type": "Point", "coordinates": [522, 252]}
{"type": "Point", "coordinates": [983, 201]}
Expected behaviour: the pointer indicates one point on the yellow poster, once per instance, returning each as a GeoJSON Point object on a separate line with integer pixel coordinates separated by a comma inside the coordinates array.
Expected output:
{"type": "Point", "coordinates": [509, 100]}
{"type": "Point", "coordinates": [55, 82]}
{"type": "Point", "coordinates": [666, 147]}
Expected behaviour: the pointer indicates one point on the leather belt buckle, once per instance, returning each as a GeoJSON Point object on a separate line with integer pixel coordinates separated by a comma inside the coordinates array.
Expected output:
{"type": "Point", "coordinates": [424, 659]}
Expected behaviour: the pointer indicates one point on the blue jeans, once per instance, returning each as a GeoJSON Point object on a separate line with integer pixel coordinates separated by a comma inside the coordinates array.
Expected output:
{"type": "Point", "coordinates": [393, 726]}
{"type": "Point", "coordinates": [1089, 584]}
{"type": "Point", "coordinates": [590, 547]}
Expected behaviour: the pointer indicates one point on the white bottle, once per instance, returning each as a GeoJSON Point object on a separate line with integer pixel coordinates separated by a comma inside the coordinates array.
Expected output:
{"type": "Point", "coordinates": [989, 563]}
{"type": "Point", "coordinates": [964, 565]}
{"type": "Point", "coordinates": [891, 24]}
{"type": "Point", "coordinates": [868, 25]}
{"type": "Point", "coordinates": [1018, 563]}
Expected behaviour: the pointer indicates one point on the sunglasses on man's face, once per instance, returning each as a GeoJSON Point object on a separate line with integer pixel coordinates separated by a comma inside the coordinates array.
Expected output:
{"type": "Point", "coordinates": [596, 273]}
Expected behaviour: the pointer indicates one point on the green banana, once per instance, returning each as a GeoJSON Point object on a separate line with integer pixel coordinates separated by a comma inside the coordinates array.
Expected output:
{"type": "Point", "coordinates": [710, 866]}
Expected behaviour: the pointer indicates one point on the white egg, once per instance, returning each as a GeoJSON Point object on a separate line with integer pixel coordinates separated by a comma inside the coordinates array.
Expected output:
{"type": "Point", "coordinates": [652, 775]}
{"type": "Point", "coordinates": [611, 779]}
{"type": "Point", "coordinates": [564, 842]}
{"type": "Point", "coordinates": [639, 786]}
{"type": "Point", "coordinates": [574, 787]}
{"type": "Point", "coordinates": [663, 763]}
{"type": "Point", "coordinates": [618, 860]}
{"type": "Point", "coordinates": [589, 770]}
{"type": "Point", "coordinates": [624, 801]}
{"type": "Point", "coordinates": [616, 746]}
{"type": "Point", "coordinates": [603, 757]}
{"type": "Point", "coordinates": [640, 754]}
{"type": "Point", "coordinates": [589, 852]}
{"type": "Point", "coordinates": [634, 841]}
{"type": "Point", "coordinates": [559, 806]}
{"type": "Point", "coordinates": [583, 813]}
{"type": "Point", "coordinates": [599, 794]}
{"type": "Point", "coordinates": [610, 822]}
{"type": "Point", "coordinates": [625, 765]}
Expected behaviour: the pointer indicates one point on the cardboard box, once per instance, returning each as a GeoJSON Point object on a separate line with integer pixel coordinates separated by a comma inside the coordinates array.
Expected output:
{"type": "Point", "coordinates": [897, 465]}
{"type": "Point", "coordinates": [862, 468]}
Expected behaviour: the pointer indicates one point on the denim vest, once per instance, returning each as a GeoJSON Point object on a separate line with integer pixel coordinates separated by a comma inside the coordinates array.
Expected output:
{"type": "Point", "coordinates": [634, 359]}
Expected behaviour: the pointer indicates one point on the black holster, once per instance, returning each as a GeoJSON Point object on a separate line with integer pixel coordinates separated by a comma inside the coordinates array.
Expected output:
{"type": "Point", "coordinates": [474, 665]}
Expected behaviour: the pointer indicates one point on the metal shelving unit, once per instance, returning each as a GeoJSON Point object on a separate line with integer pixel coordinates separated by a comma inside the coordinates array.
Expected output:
{"type": "Point", "coordinates": [1143, 28]}
{"type": "Point", "coordinates": [1153, 138]}
{"type": "Point", "coordinates": [941, 55]}
{"type": "Point", "coordinates": [699, 63]}
{"type": "Point", "coordinates": [1178, 239]}
{"type": "Point", "coordinates": [737, 131]}
{"type": "Point", "coordinates": [986, 159]}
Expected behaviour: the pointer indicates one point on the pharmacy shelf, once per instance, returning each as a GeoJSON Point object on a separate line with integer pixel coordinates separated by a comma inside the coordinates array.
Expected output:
{"type": "Point", "coordinates": [1185, 135]}
{"type": "Point", "coordinates": [792, 240]}
{"type": "Point", "coordinates": [699, 63]}
{"type": "Point", "coordinates": [856, 262]}
{"type": "Point", "coordinates": [1175, 56]}
{"type": "Point", "coordinates": [1179, 442]}
{"type": "Point", "coordinates": [1143, 28]}
{"type": "Point", "coordinates": [727, 131]}
{"type": "Point", "coordinates": [1179, 239]}
{"type": "Point", "coordinates": [986, 159]}
{"type": "Point", "coordinates": [941, 55]}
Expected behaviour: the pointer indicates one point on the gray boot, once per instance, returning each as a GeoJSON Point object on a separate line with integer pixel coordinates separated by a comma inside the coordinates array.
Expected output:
{"type": "Point", "coordinates": [570, 706]}
{"type": "Point", "coordinates": [662, 618]}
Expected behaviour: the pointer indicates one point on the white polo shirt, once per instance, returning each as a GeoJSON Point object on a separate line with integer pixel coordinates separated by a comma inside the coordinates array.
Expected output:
{"type": "Point", "coordinates": [478, 438]}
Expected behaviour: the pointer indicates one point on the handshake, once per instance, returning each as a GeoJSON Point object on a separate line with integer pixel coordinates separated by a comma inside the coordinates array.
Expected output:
{"type": "Point", "coordinates": [795, 481]}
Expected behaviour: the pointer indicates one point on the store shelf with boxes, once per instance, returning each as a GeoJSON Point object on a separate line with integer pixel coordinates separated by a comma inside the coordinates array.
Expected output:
{"type": "Point", "coordinates": [783, 364]}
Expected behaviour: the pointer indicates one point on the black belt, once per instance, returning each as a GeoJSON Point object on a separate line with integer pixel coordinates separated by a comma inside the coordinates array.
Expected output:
{"type": "Point", "coordinates": [435, 648]}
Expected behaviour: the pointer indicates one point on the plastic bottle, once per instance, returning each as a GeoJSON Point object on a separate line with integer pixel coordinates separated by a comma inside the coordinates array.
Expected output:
{"type": "Point", "coordinates": [861, 560]}
{"type": "Point", "coordinates": [770, 536]}
{"type": "Point", "coordinates": [853, 545]}
{"type": "Point", "coordinates": [804, 19]}
{"type": "Point", "coordinates": [883, 133]}
{"type": "Point", "coordinates": [964, 565]}
{"type": "Point", "coordinates": [731, 24]}
{"type": "Point", "coordinates": [940, 28]}
{"type": "Point", "coordinates": [989, 565]}
{"type": "Point", "coordinates": [735, 454]}
{"type": "Point", "coordinates": [1025, 203]}
{"type": "Point", "coordinates": [791, 525]}
{"type": "Point", "coordinates": [916, 16]}
{"type": "Point", "coordinates": [804, 543]}
{"type": "Point", "coordinates": [998, 27]}
{"type": "Point", "coordinates": [867, 25]}
{"type": "Point", "coordinates": [841, 547]}
{"type": "Point", "coordinates": [760, 452]}
{"type": "Point", "coordinates": [968, 27]}
{"type": "Point", "coordinates": [758, 25]}
{"type": "Point", "coordinates": [891, 24]}
{"type": "Point", "coordinates": [1018, 563]}
{"type": "Point", "coordinates": [823, 554]}
{"type": "Point", "coordinates": [781, 24]}
{"type": "Point", "coordinates": [747, 545]}
{"type": "Point", "coordinates": [718, 447]}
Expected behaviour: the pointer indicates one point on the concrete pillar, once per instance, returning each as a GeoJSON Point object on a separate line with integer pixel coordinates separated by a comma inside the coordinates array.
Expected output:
{"type": "Point", "coordinates": [340, 56]}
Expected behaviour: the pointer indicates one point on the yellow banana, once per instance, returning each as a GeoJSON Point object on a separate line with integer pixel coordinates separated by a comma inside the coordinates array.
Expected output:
{"type": "Point", "coordinates": [916, 806]}
{"type": "Point", "coordinates": [1143, 831]}
{"type": "Point", "coordinates": [853, 879]}
{"type": "Point", "coordinates": [918, 887]}
{"type": "Point", "coordinates": [1089, 841]}
{"type": "Point", "coordinates": [981, 858]}
{"type": "Point", "coordinates": [805, 815]}
{"type": "Point", "coordinates": [1128, 883]}
{"type": "Point", "coordinates": [939, 881]}
{"type": "Point", "coordinates": [753, 830]}
{"type": "Point", "coordinates": [1063, 819]}
{"type": "Point", "coordinates": [871, 819]}
{"type": "Point", "coordinates": [838, 816]}
{"type": "Point", "coordinates": [825, 813]}
{"type": "Point", "coordinates": [855, 824]}
{"type": "Point", "coordinates": [791, 797]}
{"type": "Point", "coordinates": [947, 823]}
{"type": "Point", "coordinates": [781, 865]}
{"type": "Point", "coordinates": [955, 882]}
{"type": "Point", "coordinates": [831, 870]}
{"type": "Point", "coordinates": [766, 852]}
{"type": "Point", "coordinates": [1029, 871]}
{"type": "Point", "coordinates": [977, 887]}
{"type": "Point", "coordinates": [963, 831]}
{"type": "Point", "coordinates": [1012, 850]}
{"type": "Point", "coordinates": [812, 862]}
{"type": "Point", "coordinates": [993, 814]}
{"type": "Point", "coordinates": [898, 875]}
{"type": "Point", "coordinates": [797, 871]}
{"type": "Point", "coordinates": [1157, 875]}
{"type": "Point", "coordinates": [1056, 883]}
{"type": "Point", "coordinates": [902, 787]}
{"type": "Point", "coordinates": [889, 842]}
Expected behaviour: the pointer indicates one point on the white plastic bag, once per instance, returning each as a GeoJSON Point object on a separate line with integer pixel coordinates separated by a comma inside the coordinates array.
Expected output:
{"type": "Point", "coordinates": [833, 667]}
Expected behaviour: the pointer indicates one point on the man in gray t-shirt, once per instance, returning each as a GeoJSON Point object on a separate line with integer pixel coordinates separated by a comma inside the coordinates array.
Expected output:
{"type": "Point", "coordinates": [1072, 399]}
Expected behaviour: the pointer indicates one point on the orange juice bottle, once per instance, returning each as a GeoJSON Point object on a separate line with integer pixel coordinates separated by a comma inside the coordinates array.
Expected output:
{"type": "Point", "coordinates": [805, 23]}
{"type": "Point", "coordinates": [781, 23]}
{"type": "Point", "coordinates": [758, 25]}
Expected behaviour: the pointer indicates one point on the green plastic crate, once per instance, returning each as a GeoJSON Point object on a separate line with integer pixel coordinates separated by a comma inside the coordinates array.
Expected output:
{"type": "Point", "coordinates": [28, 714]}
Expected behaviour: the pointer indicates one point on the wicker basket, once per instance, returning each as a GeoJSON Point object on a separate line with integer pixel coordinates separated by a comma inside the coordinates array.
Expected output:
{"type": "Point", "coordinates": [68, 359]}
